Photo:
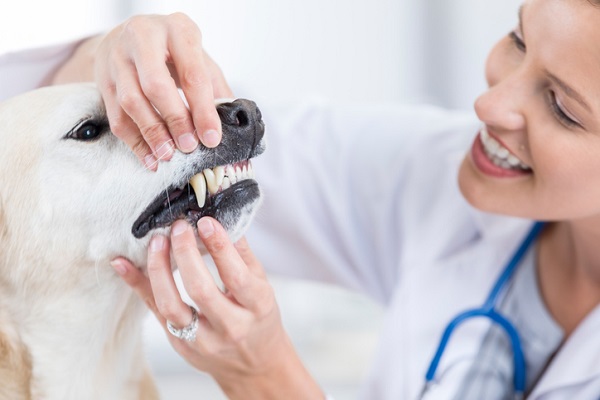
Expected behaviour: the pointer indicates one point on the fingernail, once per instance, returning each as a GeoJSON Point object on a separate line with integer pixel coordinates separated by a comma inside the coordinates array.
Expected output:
{"type": "Point", "coordinates": [211, 138]}
{"type": "Point", "coordinates": [157, 243]}
{"type": "Point", "coordinates": [165, 150]}
{"type": "Point", "coordinates": [119, 267]}
{"type": "Point", "coordinates": [205, 228]}
{"type": "Point", "coordinates": [179, 227]}
{"type": "Point", "coordinates": [188, 142]}
{"type": "Point", "coordinates": [150, 161]}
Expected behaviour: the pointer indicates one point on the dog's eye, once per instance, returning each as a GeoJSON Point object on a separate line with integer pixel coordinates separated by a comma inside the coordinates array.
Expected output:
{"type": "Point", "coordinates": [89, 130]}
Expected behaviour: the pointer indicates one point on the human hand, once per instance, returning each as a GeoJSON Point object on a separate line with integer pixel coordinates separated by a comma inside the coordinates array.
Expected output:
{"type": "Point", "coordinates": [138, 67]}
{"type": "Point", "coordinates": [240, 339]}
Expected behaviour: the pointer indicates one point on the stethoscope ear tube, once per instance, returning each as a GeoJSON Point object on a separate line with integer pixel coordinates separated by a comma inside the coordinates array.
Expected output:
{"type": "Point", "coordinates": [488, 310]}
{"type": "Point", "coordinates": [509, 270]}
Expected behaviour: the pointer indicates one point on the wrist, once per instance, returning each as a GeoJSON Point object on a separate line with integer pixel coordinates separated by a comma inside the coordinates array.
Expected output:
{"type": "Point", "coordinates": [80, 66]}
{"type": "Point", "coordinates": [285, 378]}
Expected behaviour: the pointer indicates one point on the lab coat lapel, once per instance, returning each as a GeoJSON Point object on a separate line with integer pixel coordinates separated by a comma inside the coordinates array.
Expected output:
{"type": "Point", "coordinates": [577, 361]}
{"type": "Point", "coordinates": [473, 269]}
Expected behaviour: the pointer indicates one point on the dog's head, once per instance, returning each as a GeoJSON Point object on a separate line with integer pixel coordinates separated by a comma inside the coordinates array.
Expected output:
{"type": "Point", "coordinates": [71, 191]}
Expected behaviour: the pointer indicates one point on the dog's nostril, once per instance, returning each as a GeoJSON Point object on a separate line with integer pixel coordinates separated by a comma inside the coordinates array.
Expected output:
{"type": "Point", "coordinates": [241, 118]}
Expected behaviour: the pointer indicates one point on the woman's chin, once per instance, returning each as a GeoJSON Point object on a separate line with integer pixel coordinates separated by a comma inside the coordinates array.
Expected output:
{"type": "Point", "coordinates": [477, 192]}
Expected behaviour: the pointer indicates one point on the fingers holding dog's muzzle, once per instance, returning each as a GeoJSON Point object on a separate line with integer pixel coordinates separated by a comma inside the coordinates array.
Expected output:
{"type": "Point", "coordinates": [194, 73]}
{"type": "Point", "coordinates": [244, 286]}
{"type": "Point", "coordinates": [166, 295]}
{"type": "Point", "coordinates": [138, 107]}
{"type": "Point", "coordinates": [159, 87]}
{"type": "Point", "coordinates": [197, 280]}
{"type": "Point", "coordinates": [123, 127]}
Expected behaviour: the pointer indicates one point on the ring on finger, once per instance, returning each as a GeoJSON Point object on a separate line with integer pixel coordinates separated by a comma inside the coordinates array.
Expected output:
{"type": "Point", "coordinates": [187, 333]}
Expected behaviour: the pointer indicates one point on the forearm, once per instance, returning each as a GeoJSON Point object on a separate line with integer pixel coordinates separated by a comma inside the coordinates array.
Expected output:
{"type": "Point", "coordinates": [288, 379]}
{"type": "Point", "coordinates": [80, 66]}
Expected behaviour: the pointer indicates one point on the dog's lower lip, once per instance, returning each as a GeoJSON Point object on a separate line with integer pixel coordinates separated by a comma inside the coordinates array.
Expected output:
{"type": "Point", "coordinates": [185, 206]}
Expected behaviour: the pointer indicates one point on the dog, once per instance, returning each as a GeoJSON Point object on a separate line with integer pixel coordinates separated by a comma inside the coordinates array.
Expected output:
{"type": "Point", "coordinates": [72, 198]}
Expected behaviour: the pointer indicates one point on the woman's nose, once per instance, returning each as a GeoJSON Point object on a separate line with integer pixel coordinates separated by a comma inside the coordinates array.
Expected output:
{"type": "Point", "coordinates": [501, 106]}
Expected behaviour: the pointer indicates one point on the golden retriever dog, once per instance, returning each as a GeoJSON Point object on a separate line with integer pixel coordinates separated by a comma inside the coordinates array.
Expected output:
{"type": "Point", "coordinates": [73, 197]}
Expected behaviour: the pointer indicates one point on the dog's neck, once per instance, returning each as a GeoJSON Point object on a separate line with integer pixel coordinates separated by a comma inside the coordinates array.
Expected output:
{"type": "Point", "coordinates": [83, 338]}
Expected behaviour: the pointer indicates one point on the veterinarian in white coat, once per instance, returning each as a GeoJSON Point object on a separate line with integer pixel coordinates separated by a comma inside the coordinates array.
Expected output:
{"type": "Point", "coordinates": [367, 197]}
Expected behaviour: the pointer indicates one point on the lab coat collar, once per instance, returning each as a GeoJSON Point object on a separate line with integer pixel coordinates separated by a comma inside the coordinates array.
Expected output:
{"type": "Point", "coordinates": [577, 361]}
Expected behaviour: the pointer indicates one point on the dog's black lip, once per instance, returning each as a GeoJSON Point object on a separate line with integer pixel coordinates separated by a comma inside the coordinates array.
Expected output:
{"type": "Point", "coordinates": [185, 206]}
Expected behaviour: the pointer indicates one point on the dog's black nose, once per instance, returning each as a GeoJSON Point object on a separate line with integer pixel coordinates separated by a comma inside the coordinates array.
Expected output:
{"type": "Point", "coordinates": [242, 117]}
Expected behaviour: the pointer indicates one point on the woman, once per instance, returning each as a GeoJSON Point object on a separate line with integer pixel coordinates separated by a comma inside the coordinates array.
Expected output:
{"type": "Point", "coordinates": [368, 198]}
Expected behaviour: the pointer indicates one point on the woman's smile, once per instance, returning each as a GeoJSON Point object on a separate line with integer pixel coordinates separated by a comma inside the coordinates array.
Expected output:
{"type": "Point", "coordinates": [492, 158]}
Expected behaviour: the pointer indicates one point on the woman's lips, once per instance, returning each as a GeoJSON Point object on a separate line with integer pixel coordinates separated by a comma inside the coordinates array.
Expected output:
{"type": "Point", "coordinates": [485, 165]}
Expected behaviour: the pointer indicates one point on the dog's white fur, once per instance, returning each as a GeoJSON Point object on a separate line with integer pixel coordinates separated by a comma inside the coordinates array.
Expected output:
{"type": "Point", "coordinates": [69, 327]}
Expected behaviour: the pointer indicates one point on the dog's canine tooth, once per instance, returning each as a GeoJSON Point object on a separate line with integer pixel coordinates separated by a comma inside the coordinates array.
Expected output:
{"type": "Point", "coordinates": [238, 173]}
{"type": "Point", "coordinates": [219, 175]}
{"type": "Point", "coordinates": [250, 171]}
{"type": "Point", "coordinates": [244, 172]}
{"type": "Point", "coordinates": [211, 181]}
{"type": "Point", "coordinates": [199, 185]}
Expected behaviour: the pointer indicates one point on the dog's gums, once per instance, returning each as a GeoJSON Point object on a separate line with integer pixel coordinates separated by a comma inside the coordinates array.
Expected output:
{"type": "Point", "coordinates": [229, 187]}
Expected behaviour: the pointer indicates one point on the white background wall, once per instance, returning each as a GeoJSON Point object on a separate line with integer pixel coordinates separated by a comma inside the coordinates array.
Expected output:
{"type": "Point", "coordinates": [345, 50]}
{"type": "Point", "coordinates": [352, 50]}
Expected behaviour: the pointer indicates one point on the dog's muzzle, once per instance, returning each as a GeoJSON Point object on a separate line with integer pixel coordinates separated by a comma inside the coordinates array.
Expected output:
{"type": "Point", "coordinates": [224, 180]}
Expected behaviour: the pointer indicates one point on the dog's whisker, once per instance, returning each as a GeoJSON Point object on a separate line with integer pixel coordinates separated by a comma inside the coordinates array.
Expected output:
{"type": "Point", "coordinates": [155, 162]}
{"type": "Point", "coordinates": [167, 143]}
{"type": "Point", "coordinates": [169, 202]}
{"type": "Point", "coordinates": [216, 158]}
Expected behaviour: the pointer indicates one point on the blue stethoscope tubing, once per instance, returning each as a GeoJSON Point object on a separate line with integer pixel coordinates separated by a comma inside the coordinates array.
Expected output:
{"type": "Point", "coordinates": [488, 310]}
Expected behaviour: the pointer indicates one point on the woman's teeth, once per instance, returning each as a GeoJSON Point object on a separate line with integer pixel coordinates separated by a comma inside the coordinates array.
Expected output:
{"type": "Point", "coordinates": [219, 178]}
{"type": "Point", "coordinates": [499, 155]}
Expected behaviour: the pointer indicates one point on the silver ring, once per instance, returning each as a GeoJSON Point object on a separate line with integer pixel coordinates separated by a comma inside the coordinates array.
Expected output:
{"type": "Point", "coordinates": [187, 333]}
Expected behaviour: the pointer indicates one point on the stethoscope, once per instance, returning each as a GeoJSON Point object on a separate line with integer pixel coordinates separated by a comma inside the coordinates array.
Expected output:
{"type": "Point", "coordinates": [488, 310]}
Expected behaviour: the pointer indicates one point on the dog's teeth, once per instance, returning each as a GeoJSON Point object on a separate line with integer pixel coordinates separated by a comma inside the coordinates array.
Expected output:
{"type": "Point", "coordinates": [211, 181]}
{"type": "Point", "coordinates": [238, 174]}
{"type": "Point", "coordinates": [199, 185]}
{"type": "Point", "coordinates": [250, 171]}
{"type": "Point", "coordinates": [219, 175]}
{"type": "Point", "coordinates": [226, 183]}
{"type": "Point", "coordinates": [245, 172]}
{"type": "Point", "coordinates": [231, 174]}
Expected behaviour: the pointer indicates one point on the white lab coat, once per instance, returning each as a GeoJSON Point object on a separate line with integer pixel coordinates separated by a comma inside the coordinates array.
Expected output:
{"type": "Point", "coordinates": [366, 197]}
